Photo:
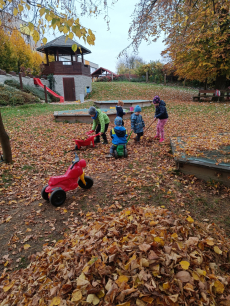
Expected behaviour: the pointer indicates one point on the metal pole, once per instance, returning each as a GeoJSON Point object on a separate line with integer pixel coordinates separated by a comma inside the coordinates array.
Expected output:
{"type": "Point", "coordinates": [45, 94]}
{"type": "Point", "coordinates": [165, 79]}
{"type": "Point", "coordinates": [20, 79]}
{"type": "Point", "coordinates": [147, 76]}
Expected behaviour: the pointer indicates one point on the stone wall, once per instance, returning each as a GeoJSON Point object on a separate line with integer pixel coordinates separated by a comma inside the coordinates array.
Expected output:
{"type": "Point", "coordinates": [81, 82]}
{"type": "Point", "coordinates": [25, 80]}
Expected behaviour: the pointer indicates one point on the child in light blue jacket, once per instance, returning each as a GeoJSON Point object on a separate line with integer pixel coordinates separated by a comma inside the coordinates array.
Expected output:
{"type": "Point", "coordinates": [118, 135]}
{"type": "Point", "coordinates": [137, 123]}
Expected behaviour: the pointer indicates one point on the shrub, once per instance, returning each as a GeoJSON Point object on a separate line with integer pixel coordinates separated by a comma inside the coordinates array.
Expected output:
{"type": "Point", "coordinates": [3, 103]}
{"type": "Point", "coordinates": [12, 83]}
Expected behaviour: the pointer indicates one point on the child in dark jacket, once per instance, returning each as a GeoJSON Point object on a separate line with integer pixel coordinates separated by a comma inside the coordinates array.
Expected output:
{"type": "Point", "coordinates": [118, 135]}
{"type": "Point", "coordinates": [162, 116]}
{"type": "Point", "coordinates": [137, 123]}
{"type": "Point", "coordinates": [119, 109]}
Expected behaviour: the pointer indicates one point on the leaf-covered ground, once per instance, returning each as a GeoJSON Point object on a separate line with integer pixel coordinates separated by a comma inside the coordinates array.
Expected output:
{"type": "Point", "coordinates": [147, 177]}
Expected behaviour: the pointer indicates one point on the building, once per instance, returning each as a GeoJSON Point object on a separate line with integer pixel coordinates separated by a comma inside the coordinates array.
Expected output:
{"type": "Point", "coordinates": [72, 76]}
{"type": "Point", "coordinates": [10, 22]}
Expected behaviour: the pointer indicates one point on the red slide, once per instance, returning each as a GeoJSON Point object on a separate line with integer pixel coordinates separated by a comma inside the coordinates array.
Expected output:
{"type": "Point", "coordinates": [38, 82]}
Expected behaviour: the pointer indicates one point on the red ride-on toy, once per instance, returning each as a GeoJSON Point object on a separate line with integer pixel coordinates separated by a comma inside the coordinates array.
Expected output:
{"type": "Point", "coordinates": [57, 186]}
{"type": "Point", "coordinates": [87, 142]}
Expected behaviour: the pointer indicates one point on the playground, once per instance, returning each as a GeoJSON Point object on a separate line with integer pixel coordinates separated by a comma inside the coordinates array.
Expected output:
{"type": "Point", "coordinates": [43, 148]}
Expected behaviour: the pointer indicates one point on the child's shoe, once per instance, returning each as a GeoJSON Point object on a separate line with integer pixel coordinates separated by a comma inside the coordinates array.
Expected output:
{"type": "Point", "coordinates": [161, 140]}
{"type": "Point", "coordinates": [105, 142]}
{"type": "Point", "coordinates": [97, 141]}
{"type": "Point", "coordinates": [109, 155]}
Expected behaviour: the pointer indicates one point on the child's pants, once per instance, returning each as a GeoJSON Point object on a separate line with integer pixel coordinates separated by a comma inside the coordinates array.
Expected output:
{"type": "Point", "coordinates": [113, 148]}
{"type": "Point", "coordinates": [98, 129]}
{"type": "Point", "coordinates": [138, 137]}
{"type": "Point", "coordinates": [160, 128]}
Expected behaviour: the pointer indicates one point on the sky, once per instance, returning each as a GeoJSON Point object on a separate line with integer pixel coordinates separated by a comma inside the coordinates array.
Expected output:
{"type": "Point", "coordinates": [109, 43]}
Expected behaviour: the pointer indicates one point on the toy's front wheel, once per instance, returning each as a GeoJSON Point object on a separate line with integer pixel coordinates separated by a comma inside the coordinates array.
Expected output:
{"type": "Point", "coordinates": [89, 183]}
{"type": "Point", "coordinates": [125, 153]}
{"type": "Point", "coordinates": [57, 197]}
{"type": "Point", "coordinates": [76, 147]}
{"type": "Point", "coordinates": [45, 195]}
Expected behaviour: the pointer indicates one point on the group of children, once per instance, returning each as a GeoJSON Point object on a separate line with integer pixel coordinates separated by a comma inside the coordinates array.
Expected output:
{"type": "Point", "coordinates": [118, 133]}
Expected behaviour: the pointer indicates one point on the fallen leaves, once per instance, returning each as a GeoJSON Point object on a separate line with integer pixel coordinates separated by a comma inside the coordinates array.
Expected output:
{"type": "Point", "coordinates": [114, 261]}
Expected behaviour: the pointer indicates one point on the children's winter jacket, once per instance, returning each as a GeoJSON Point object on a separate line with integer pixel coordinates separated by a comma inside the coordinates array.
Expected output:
{"type": "Point", "coordinates": [137, 123]}
{"type": "Point", "coordinates": [161, 111]}
{"type": "Point", "coordinates": [118, 135]}
{"type": "Point", "coordinates": [101, 119]}
{"type": "Point", "coordinates": [120, 111]}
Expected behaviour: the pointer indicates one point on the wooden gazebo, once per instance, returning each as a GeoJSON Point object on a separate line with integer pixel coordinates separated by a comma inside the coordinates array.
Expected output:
{"type": "Point", "coordinates": [72, 76]}
{"type": "Point", "coordinates": [60, 48]}
{"type": "Point", "coordinates": [99, 72]}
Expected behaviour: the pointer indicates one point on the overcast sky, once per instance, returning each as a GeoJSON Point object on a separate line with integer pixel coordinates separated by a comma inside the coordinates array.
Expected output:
{"type": "Point", "coordinates": [110, 43]}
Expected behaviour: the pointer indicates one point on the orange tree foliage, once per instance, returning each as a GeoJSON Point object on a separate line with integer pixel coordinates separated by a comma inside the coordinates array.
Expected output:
{"type": "Point", "coordinates": [15, 53]}
{"type": "Point", "coordinates": [197, 34]}
{"type": "Point", "coordinates": [7, 59]}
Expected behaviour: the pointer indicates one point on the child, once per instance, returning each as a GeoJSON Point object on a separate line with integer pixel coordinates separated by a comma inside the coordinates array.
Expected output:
{"type": "Point", "coordinates": [100, 123]}
{"type": "Point", "coordinates": [118, 135]}
{"type": "Point", "coordinates": [120, 111]}
{"type": "Point", "coordinates": [162, 116]}
{"type": "Point", "coordinates": [137, 123]}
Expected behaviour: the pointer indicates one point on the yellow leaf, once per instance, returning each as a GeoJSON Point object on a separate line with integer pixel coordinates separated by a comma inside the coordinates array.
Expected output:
{"type": "Point", "coordinates": [159, 240]}
{"type": "Point", "coordinates": [184, 265]}
{"type": "Point", "coordinates": [15, 12]}
{"type": "Point", "coordinates": [7, 287]}
{"type": "Point", "coordinates": [173, 298]}
{"type": "Point", "coordinates": [148, 299]}
{"type": "Point", "coordinates": [190, 219]}
{"type": "Point", "coordinates": [36, 36]}
{"type": "Point", "coordinates": [122, 279]}
{"type": "Point", "coordinates": [174, 235]}
{"type": "Point", "coordinates": [71, 35]}
{"type": "Point", "coordinates": [42, 11]}
{"type": "Point", "coordinates": [26, 246]}
{"type": "Point", "coordinates": [217, 250]}
{"type": "Point", "coordinates": [124, 304]}
{"type": "Point", "coordinates": [44, 40]}
{"type": "Point", "coordinates": [76, 295]}
{"type": "Point", "coordinates": [28, 7]}
{"type": "Point", "coordinates": [65, 211]}
{"type": "Point", "coordinates": [209, 241]}
{"type": "Point", "coordinates": [166, 286]}
{"type": "Point", "coordinates": [65, 30]}
{"type": "Point", "coordinates": [92, 298]}
{"type": "Point", "coordinates": [201, 272]}
{"type": "Point", "coordinates": [219, 287]}
{"type": "Point", "coordinates": [8, 219]}
{"type": "Point", "coordinates": [20, 7]}
{"type": "Point", "coordinates": [195, 276]}
{"type": "Point", "coordinates": [101, 293]}
{"type": "Point", "coordinates": [74, 47]}
{"type": "Point", "coordinates": [55, 301]}
{"type": "Point", "coordinates": [48, 17]}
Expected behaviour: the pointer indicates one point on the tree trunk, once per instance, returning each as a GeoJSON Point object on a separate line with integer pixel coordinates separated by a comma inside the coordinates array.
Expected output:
{"type": "Point", "coordinates": [5, 143]}
{"type": "Point", "coordinates": [205, 84]}
{"type": "Point", "coordinates": [220, 82]}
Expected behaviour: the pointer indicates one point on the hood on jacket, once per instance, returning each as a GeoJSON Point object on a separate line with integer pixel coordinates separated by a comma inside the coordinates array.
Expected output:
{"type": "Point", "coordinates": [120, 131]}
{"type": "Point", "coordinates": [162, 103]}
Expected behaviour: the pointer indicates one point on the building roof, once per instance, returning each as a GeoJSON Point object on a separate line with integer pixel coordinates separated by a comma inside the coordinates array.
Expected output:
{"type": "Point", "coordinates": [100, 70]}
{"type": "Point", "coordinates": [64, 46]}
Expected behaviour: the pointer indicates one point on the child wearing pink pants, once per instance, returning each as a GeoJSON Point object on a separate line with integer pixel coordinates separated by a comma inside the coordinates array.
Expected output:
{"type": "Point", "coordinates": [162, 116]}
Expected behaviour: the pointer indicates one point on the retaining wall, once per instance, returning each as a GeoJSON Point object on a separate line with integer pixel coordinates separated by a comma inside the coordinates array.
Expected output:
{"type": "Point", "coordinates": [25, 80]}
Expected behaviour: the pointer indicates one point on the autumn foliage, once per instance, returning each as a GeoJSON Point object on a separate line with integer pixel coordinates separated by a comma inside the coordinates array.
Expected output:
{"type": "Point", "coordinates": [15, 53]}
{"type": "Point", "coordinates": [140, 256]}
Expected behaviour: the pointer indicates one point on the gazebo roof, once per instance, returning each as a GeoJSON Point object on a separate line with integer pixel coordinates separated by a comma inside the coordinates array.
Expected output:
{"type": "Point", "coordinates": [100, 70]}
{"type": "Point", "coordinates": [65, 47]}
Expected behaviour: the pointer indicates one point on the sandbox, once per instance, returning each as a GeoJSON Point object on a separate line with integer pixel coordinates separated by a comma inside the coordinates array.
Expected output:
{"type": "Point", "coordinates": [82, 116]}
{"type": "Point", "coordinates": [127, 103]}
{"type": "Point", "coordinates": [209, 165]}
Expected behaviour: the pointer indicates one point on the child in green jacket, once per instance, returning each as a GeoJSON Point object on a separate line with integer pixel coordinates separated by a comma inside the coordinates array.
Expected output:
{"type": "Point", "coordinates": [100, 123]}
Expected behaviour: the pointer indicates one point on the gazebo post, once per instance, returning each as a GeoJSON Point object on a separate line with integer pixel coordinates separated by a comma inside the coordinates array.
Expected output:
{"type": "Point", "coordinates": [57, 55]}
{"type": "Point", "coordinates": [82, 59]}
{"type": "Point", "coordinates": [71, 57]}
{"type": "Point", "coordinates": [76, 56]}
{"type": "Point", "coordinates": [47, 57]}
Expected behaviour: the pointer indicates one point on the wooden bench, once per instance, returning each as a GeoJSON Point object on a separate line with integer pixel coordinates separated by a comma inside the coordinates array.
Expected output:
{"type": "Point", "coordinates": [203, 95]}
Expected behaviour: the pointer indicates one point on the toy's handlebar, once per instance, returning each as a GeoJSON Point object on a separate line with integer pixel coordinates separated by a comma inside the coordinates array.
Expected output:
{"type": "Point", "coordinates": [90, 132]}
{"type": "Point", "coordinates": [75, 161]}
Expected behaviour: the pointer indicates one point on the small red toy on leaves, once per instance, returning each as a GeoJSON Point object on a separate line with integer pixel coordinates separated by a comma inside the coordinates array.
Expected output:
{"type": "Point", "coordinates": [87, 142]}
{"type": "Point", "coordinates": [57, 186]}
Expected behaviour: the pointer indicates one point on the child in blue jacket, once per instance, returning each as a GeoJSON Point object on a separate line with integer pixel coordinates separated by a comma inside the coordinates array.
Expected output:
{"type": "Point", "coordinates": [119, 109]}
{"type": "Point", "coordinates": [118, 135]}
{"type": "Point", "coordinates": [137, 123]}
